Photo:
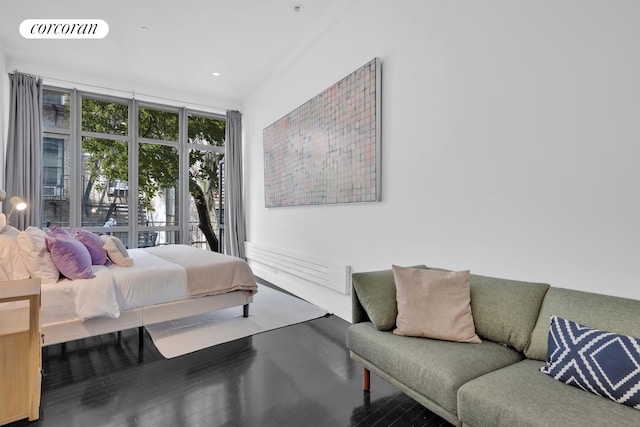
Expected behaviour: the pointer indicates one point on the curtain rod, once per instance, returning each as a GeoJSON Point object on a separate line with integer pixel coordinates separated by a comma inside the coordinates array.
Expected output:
{"type": "Point", "coordinates": [35, 76]}
{"type": "Point", "coordinates": [128, 92]}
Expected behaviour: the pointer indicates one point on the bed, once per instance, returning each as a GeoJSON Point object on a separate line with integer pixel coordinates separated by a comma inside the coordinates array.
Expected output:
{"type": "Point", "coordinates": [163, 283]}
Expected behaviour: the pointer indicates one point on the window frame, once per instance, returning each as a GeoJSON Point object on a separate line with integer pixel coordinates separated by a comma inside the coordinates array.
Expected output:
{"type": "Point", "coordinates": [75, 134]}
{"type": "Point", "coordinates": [182, 212]}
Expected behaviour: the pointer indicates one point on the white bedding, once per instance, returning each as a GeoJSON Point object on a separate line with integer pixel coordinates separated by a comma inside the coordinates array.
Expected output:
{"type": "Point", "coordinates": [152, 280]}
{"type": "Point", "coordinates": [94, 297]}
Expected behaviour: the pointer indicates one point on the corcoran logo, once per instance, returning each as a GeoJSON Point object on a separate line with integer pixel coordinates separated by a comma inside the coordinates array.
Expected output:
{"type": "Point", "coordinates": [64, 29]}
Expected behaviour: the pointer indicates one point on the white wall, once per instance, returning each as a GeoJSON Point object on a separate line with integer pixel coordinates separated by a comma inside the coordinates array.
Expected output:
{"type": "Point", "coordinates": [510, 142]}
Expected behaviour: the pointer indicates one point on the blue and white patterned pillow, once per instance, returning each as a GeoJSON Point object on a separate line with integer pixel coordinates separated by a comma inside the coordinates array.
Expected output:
{"type": "Point", "coordinates": [603, 363]}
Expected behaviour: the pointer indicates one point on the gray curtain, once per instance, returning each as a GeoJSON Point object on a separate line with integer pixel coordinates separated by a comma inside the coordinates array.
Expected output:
{"type": "Point", "coordinates": [234, 225]}
{"type": "Point", "coordinates": [23, 169]}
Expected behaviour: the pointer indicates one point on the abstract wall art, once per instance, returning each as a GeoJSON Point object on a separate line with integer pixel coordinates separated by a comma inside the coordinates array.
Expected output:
{"type": "Point", "coordinates": [327, 151]}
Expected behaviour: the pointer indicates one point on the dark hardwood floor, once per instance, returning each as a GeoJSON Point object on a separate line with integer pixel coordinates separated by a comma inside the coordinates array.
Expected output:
{"type": "Point", "coordinates": [300, 375]}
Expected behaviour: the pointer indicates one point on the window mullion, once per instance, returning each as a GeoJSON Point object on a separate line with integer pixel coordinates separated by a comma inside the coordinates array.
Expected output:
{"type": "Point", "coordinates": [103, 136]}
{"type": "Point", "coordinates": [75, 185]}
{"type": "Point", "coordinates": [184, 180]}
{"type": "Point", "coordinates": [133, 174]}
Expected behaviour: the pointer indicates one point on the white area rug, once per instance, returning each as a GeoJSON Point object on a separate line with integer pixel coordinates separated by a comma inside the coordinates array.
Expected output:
{"type": "Point", "coordinates": [270, 309]}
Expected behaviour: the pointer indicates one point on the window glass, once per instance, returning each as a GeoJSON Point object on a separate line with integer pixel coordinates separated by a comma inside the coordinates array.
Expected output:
{"type": "Point", "coordinates": [53, 166]}
{"type": "Point", "coordinates": [158, 179]}
{"type": "Point", "coordinates": [156, 124]}
{"type": "Point", "coordinates": [205, 130]}
{"type": "Point", "coordinates": [56, 110]}
{"type": "Point", "coordinates": [105, 189]}
{"type": "Point", "coordinates": [105, 117]}
{"type": "Point", "coordinates": [56, 120]}
{"type": "Point", "coordinates": [154, 238]}
{"type": "Point", "coordinates": [55, 189]}
{"type": "Point", "coordinates": [205, 212]}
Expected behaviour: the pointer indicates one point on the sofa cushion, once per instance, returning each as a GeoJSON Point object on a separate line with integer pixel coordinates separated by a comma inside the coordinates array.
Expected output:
{"type": "Point", "coordinates": [505, 311]}
{"type": "Point", "coordinates": [432, 368]}
{"type": "Point", "coordinates": [376, 291]}
{"type": "Point", "coordinates": [520, 395]}
{"type": "Point", "coordinates": [434, 304]}
{"type": "Point", "coordinates": [596, 361]}
{"type": "Point", "coordinates": [608, 313]}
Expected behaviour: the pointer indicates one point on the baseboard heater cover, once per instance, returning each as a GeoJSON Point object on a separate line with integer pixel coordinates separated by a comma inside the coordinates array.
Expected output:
{"type": "Point", "coordinates": [305, 267]}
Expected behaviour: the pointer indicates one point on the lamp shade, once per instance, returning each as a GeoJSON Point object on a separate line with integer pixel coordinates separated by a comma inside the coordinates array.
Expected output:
{"type": "Point", "coordinates": [18, 203]}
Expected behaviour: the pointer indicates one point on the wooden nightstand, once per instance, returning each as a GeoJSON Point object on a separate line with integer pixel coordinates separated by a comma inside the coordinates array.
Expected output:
{"type": "Point", "coordinates": [20, 350]}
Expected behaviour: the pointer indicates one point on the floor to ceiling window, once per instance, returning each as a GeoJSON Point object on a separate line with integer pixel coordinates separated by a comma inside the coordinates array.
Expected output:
{"type": "Point", "coordinates": [206, 200]}
{"type": "Point", "coordinates": [104, 166]}
{"type": "Point", "coordinates": [146, 173]}
{"type": "Point", "coordinates": [158, 176]}
{"type": "Point", "coordinates": [56, 119]}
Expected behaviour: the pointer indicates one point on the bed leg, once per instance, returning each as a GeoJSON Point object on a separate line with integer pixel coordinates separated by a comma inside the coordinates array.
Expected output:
{"type": "Point", "coordinates": [140, 337]}
{"type": "Point", "coordinates": [366, 379]}
{"type": "Point", "coordinates": [119, 337]}
{"type": "Point", "coordinates": [245, 310]}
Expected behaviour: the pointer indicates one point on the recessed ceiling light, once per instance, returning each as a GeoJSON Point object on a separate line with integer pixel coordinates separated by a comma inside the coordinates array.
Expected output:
{"type": "Point", "coordinates": [298, 8]}
{"type": "Point", "coordinates": [215, 73]}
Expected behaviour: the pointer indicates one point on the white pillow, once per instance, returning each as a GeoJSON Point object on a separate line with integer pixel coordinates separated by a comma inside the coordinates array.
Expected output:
{"type": "Point", "coordinates": [35, 255]}
{"type": "Point", "coordinates": [11, 264]}
{"type": "Point", "coordinates": [3, 221]}
{"type": "Point", "coordinates": [10, 231]}
{"type": "Point", "coordinates": [117, 251]}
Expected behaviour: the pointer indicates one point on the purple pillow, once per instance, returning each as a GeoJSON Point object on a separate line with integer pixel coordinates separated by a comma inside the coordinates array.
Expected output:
{"type": "Point", "coordinates": [94, 244]}
{"type": "Point", "coordinates": [71, 257]}
{"type": "Point", "coordinates": [56, 231]}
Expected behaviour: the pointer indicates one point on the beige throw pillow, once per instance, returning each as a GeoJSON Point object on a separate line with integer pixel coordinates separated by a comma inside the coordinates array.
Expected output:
{"type": "Point", "coordinates": [434, 304]}
{"type": "Point", "coordinates": [117, 251]}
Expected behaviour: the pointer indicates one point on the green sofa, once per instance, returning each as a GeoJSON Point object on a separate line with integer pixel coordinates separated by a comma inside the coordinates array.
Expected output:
{"type": "Point", "coordinates": [498, 382]}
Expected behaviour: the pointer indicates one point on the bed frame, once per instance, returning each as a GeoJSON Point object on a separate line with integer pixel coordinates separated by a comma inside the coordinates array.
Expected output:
{"type": "Point", "coordinates": [69, 330]}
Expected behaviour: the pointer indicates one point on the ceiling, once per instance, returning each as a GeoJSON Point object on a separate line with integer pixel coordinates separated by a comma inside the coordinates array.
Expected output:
{"type": "Point", "coordinates": [174, 45]}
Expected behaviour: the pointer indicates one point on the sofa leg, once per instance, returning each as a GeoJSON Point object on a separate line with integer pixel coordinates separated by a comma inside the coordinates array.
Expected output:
{"type": "Point", "coordinates": [366, 377]}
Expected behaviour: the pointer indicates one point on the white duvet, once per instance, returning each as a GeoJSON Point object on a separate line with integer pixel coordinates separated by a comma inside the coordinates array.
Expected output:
{"type": "Point", "coordinates": [92, 297]}
{"type": "Point", "coordinates": [151, 280]}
